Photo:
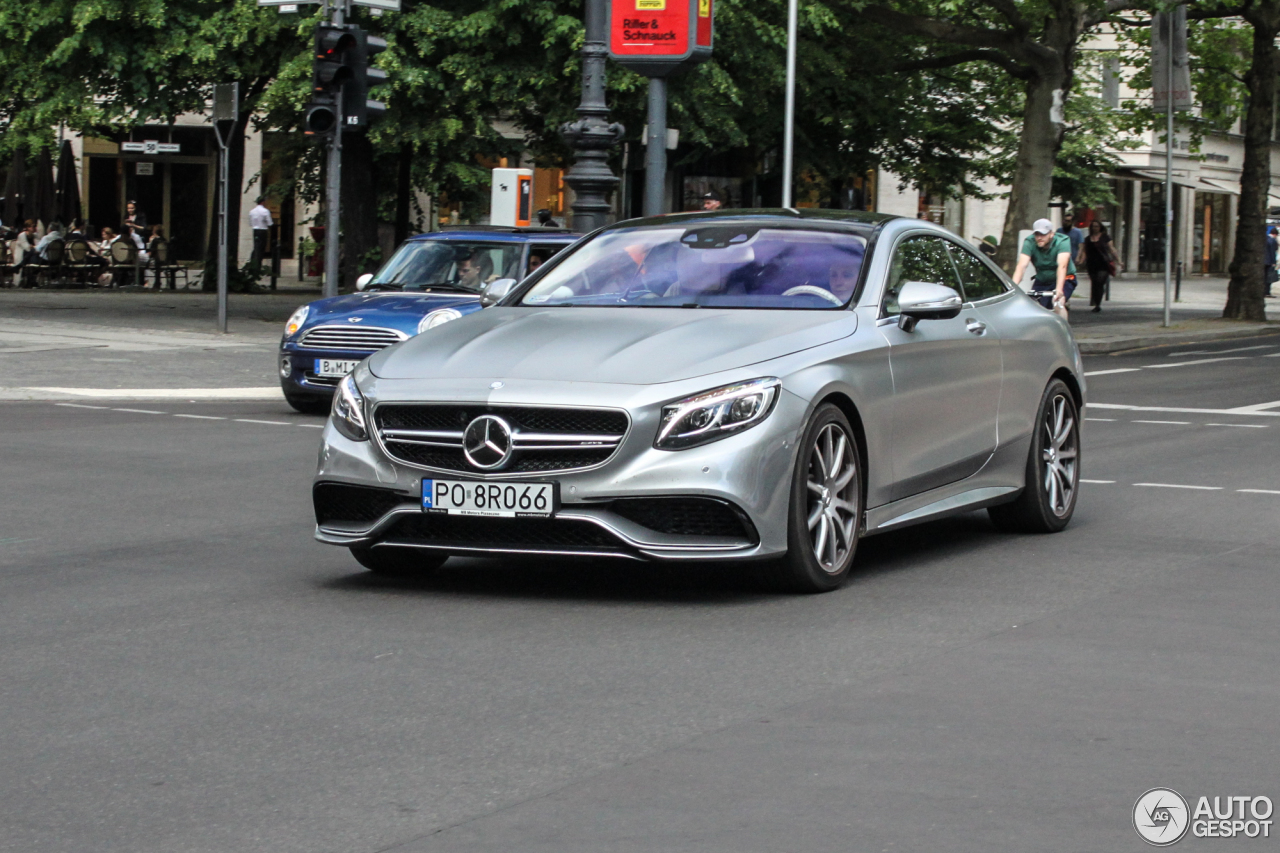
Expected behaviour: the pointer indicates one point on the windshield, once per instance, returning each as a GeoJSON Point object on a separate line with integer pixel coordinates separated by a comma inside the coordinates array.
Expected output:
{"type": "Point", "coordinates": [714, 265]}
{"type": "Point", "coordinates": [448, 264]}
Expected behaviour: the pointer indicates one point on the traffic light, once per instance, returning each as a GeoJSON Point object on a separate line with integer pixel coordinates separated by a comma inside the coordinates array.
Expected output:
{"type": "Point", "coordinates": [330, 71]}
{"type": "Point", "coordinates": [358, 109]}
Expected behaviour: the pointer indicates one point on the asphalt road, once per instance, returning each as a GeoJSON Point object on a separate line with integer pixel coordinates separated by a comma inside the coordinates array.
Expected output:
{"type": "Point", "coordinates": [184, 669]}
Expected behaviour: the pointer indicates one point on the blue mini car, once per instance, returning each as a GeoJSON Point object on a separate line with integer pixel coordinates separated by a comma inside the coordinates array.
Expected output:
{"type": "Point", "coordinates": [432, 279]}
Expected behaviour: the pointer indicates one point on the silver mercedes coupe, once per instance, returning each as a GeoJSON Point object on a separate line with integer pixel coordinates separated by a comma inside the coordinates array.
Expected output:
{"type": "Point", "coordinates": [756, 386]}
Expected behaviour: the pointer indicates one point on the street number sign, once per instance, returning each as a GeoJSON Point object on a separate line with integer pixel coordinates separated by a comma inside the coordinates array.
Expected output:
{"type": "Point", "coordinates": [151, 146]}
{"type": "Point", "coordinates": [657, 38]}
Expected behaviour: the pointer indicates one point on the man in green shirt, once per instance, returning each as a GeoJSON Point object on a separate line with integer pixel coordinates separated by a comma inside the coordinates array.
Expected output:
{"type": "Point", "coordinates": [1050, 251]}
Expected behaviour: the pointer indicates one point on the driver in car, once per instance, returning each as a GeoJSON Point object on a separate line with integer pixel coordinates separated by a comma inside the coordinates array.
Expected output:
{"type": "Point", "coordinates": [843, 279]}
{"type": "Point", "coordinates": [476, 270]}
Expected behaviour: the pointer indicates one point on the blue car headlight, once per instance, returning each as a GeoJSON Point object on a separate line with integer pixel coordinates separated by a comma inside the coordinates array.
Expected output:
{"type": "Point", "coordinates": [438, 317]}
{"type": "Point", "coordinates": [716, 414]}
{"type": "Point", "coordinates": [348, 410]}
{"type": "Point", "coordinates": [296, 319]}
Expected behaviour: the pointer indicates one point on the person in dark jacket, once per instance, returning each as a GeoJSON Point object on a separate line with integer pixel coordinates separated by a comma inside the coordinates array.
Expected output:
{"type": "Point", "coordinates": [1098, 255]}
{"type": "Point", "coordinates": [1269, 271]}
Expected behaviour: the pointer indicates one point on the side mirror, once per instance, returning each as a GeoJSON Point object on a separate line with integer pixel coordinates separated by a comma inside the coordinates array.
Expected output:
{"type": "Point", "coordinates": [363, 281]}
{"type": "Point", "coordinates": [494, 291]}
{"type": "Point", "coordinates": [922, 300]}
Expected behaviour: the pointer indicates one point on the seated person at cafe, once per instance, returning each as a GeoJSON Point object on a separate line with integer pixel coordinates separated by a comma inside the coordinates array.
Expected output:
{"type": "Point", "coordinates": [54, 233]}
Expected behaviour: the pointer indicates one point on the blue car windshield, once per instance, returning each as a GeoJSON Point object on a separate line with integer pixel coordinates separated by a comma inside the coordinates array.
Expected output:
{"type": "Point", "coordinates": [713, 265]}
{"type": "Point", "coordinates": [448, 264]}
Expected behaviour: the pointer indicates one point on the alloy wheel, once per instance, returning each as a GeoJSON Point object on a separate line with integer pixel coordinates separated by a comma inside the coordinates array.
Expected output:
{"type": "Point", "coordinates": [834, 493]}
{"type": "Point", "coordinates": [1061, 449]}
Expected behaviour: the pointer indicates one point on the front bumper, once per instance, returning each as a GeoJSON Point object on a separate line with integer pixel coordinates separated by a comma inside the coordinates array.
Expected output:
{"type": "Point", "coordinates": [745, 477]}
{"type": "Point", "coordinates": [300, 379]}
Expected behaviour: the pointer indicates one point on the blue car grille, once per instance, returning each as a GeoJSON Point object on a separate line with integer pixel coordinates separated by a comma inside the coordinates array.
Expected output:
{"type": "Point", "coordinates": [351, 337]}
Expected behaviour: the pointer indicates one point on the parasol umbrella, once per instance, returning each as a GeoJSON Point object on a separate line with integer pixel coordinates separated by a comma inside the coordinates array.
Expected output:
{"type": "Point", "coordinates": [15, 188]}
{"type": "Point", "coordinates": [43, 206]}
{"type": "Point", "coordinates": [68, 186]}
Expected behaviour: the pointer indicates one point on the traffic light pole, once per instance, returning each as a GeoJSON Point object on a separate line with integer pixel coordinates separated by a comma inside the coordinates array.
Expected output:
{"type": "Point", "coordinates": [332, 189]}
{"type": "Point", "coordinates": [655, 152]}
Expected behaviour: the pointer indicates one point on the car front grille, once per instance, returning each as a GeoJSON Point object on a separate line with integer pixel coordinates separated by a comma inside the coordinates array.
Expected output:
{"type": "Point", "coordinates": [342, 504]}
{"type": "Point", "coordinates": [544, 439]}
{"type": "Point", "coordinates": [351, 337]}
{"type": "Point", "coordinates": [522, 534]}
{"type": "Point", "coordinates": [687, 516]}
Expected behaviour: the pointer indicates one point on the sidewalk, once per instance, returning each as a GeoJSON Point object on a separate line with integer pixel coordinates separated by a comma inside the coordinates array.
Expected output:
{"type": "Point", "coordinates": [1134, 316]}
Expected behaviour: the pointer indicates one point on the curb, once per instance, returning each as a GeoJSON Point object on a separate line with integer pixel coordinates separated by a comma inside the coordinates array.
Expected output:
{"type": "Point", "coordinates": [1104, 346]}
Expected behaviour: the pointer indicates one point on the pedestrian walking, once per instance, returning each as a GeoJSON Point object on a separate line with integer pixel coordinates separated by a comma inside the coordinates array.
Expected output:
{"type": "Point", "coordinates": [1049, 252]}
{"type": "Point", "coordinates": [1098, 256]}
{"type": "Point", "coordinates": [1075, 233]}
{"type": "Point", "coordinates": [260, 222]}
{"type": "Point", "coordinates": [711, 200]}
{"type": "Point", "coordinates": [1269, 271]}
{"type": "Point", "coordinates": [546, 220]}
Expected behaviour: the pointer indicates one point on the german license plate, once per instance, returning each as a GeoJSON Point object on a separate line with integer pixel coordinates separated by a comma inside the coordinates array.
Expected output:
{"type": "Point", "coordinates": [334, 366]}
{"type": "Point", "coordinates": [499, 500]}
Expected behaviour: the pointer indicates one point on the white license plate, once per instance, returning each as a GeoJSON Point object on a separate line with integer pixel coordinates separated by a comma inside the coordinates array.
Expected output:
{"type": "Point", "coordinates": [500, 500]}
{"type": "Point", "coordinates": [334, 366]}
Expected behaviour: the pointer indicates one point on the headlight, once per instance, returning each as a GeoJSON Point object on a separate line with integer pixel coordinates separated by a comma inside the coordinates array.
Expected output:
{"type": "Point", "coordinates": [348, 410]}
{"type": "Point", "coordinates": [715, 414]}
{"type": "Point", "coordinates": [296, 320]}
{"type": "Point", "coordinates": [438, 317]}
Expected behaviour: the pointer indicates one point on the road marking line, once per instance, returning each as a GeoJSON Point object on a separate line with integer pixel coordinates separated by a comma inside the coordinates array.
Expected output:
{"type": "Point", "coordinates": [252, 421]}
{"type": "Point", "coordinates": [1178, 409]}
{"type": "Point", "coordinates": [202, 417]}
{"type": "Point", "coordinates": [140, 411]}
{"type": "Point", "coordinates": [265, 393]}
{"type": "Point", "coordinates": [1173, 423]}
{"type": "Point", "coordinates": [1243, 426]}
{"type": "Point", "coordinates": [312, 426]}
{"type": "Point", "coordinates": [1260, 491]}
{"type": "Point", "coordinates": [1108, 420]}
{"type": "Point", "coordinates": [1197, 361]}
{"type": "Point", "coordinates": [1117, 370]}
{"type": "Point", "coordinates": [1257, 407]}
{"type": "Point", "coordinates": [1102, 482]}
{"type": "Point", "coordinates": [1176, 486]}
{"type": "Point", "coordinates": [80, 406]}
{"type": "Point", "coordinates": [1221, 351]}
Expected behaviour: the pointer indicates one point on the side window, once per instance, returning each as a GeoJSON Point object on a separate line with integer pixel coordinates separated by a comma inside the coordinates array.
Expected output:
{"type": "Point", "coordinates": [540, 253]}
{"type": "Point", "coordinates": [979, 281]}
{"type": "Point", "coordinates": [918, 259]}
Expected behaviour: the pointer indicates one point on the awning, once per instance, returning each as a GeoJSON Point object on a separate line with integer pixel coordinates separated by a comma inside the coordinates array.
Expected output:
{"type": "Point", "coordinates": [1159, 178]}
{"type": "Point", "coordinates": [1217, 186]}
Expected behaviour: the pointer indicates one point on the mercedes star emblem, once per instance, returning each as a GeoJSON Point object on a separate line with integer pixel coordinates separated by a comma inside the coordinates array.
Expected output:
{"type": "Point", "coordinates": [486, 442]}
{"type": "Point", "coordinates": [354, 319]}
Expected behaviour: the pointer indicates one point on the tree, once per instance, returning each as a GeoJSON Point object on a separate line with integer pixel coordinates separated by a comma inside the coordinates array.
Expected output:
{"type": "Point", "coordinates": [1035, 42]}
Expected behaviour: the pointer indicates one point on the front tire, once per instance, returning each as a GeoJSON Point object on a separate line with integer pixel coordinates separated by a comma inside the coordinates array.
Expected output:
{"type": "Point", "coordinates": [825, 515]}
{"type": "Point", "coordinates": [308, 405]}
{"type": "Point", "coordinates": [400, 563]}
{"type": "Point", "coordinates": [1053, 469]}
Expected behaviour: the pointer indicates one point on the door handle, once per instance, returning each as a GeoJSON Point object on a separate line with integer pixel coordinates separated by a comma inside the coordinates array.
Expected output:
{"type": "Point", "coordinates": [977, 327]}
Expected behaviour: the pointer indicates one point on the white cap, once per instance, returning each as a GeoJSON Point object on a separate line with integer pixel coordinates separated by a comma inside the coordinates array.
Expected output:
{"type": "Point", "coordinates": [1043, 226]}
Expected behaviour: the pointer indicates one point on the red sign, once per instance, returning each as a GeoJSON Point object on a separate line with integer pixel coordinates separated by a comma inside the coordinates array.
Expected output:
{"type": "Point", "coordinates": [659, 37]}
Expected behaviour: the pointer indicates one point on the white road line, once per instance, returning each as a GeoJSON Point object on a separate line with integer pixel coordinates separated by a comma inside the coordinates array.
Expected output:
{"type": "Point", "coordinates": [1126, 408]}
{"type": "Point", "coordinates": [140, 411]}
{"type": "Point", "coordinates": [1260, 491]}
{"type": "Point", "coordinates": [1101, 482]}
{"type": "Point", "coordinates": [80, 406]}
{"type": "Point", "coordinates": [272, 392]}
{"type": "Point", "coordinates": [312, 426]}
{"type": "Point", "coordinates": [1108, 420]}
{"type": "Point", "coordinates": [202, 417]}
{"type": "Point", "coordinates": [252, 421]}
{"type": "Point", "coordinates": [1177, 486]}
{"type": "Point", "coordinates": [1171, 423]}
{"type": "Point", "coordinates": [1243, 426]}
{"type": "Point", "coordinates": [1197, 361]}
{"type": "Point", "coordinates": [1256, 407]}
{"type": "Point", "coordinates": [1117, 370]}
{"type": "Point", "coordinates": [1221, 351]}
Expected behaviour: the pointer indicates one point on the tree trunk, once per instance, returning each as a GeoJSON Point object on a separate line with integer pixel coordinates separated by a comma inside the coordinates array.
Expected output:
{"type": "Point", "coordinates": [1038, 145]}
{"type": "Point", "coordinates": [1245, 299]}
{"type": "Point", "coordinates": [359, 207]}
{"type": "Point", "coordinates": [404, 189]}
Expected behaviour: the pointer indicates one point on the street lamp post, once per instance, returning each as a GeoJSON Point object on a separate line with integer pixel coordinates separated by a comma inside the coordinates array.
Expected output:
{"type": "Point", "coordinates": [592, 135]}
